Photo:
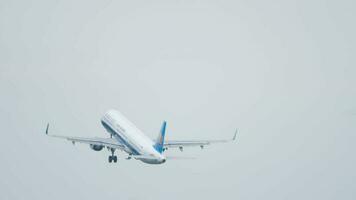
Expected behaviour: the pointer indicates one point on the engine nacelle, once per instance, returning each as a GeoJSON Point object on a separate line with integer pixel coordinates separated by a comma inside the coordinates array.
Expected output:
{"type": "Point", "coordinates": [96, 147]}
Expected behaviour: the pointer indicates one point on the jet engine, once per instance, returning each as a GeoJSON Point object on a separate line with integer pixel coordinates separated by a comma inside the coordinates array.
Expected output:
{"type": "Point", "coordinates": [96, 147]}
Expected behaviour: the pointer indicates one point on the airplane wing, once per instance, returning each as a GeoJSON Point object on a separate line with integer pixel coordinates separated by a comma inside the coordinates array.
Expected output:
{"type": "Point", "coordinates": [106, 142]}
{"type": "Point", "coordinates": [186, 143]}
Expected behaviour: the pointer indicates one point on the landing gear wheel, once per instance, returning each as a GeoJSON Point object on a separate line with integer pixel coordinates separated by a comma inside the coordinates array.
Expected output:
{"type": "Point", "coordinates": [112, 157]}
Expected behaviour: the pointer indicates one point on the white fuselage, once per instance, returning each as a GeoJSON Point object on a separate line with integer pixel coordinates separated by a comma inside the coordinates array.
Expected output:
{"type": "Point", "coordinates": [135, 141]}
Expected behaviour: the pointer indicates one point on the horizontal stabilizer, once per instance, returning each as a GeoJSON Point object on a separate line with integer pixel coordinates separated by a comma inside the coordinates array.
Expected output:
{"type": "Point", "coordinates": [180, 158]}
{"type": "Point", "coordinates": [143, 157]}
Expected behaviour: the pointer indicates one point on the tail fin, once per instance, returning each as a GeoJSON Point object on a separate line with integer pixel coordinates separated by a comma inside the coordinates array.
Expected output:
{"type": "Point", "coordinates": [160, 140]}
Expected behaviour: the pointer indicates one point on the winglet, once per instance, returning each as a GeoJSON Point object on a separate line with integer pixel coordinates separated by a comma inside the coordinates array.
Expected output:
{"type": "Point", "coordinates": [47, 128]}
{"type": "Point", "coordinates": [234, 138]}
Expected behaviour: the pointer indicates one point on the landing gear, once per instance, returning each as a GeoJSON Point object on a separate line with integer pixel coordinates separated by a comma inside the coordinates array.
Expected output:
{"type": "Point", "coordinates": [129, 157]}
{"type": "Point", "coordinates": [112, 157]}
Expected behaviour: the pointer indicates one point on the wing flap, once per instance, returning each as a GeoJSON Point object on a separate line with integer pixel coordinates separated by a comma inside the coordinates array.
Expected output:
{"type": "Point", "coordinates": [108, 142]}
{"type": "Point", "coordinates": [187, 143]}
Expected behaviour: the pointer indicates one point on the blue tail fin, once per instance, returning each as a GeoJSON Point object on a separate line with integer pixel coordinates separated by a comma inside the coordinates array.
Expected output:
{"type": "Point", "coordinates": [160, 140]}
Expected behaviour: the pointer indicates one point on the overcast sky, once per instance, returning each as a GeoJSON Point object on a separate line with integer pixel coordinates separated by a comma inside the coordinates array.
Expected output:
{"type": "Point", "coordinates": [282, 72]}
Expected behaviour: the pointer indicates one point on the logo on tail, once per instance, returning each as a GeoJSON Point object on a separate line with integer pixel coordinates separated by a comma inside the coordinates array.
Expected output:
{"type": "Point", "coordinates": [160, 140]}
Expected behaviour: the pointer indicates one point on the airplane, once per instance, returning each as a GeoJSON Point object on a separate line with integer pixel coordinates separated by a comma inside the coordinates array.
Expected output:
{"type": "Point", "coordinates": [125, 136]}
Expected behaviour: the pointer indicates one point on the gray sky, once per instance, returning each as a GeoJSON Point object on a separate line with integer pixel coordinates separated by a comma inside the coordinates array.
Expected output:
{"type": "Point", "coordinates": [283, 72]}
